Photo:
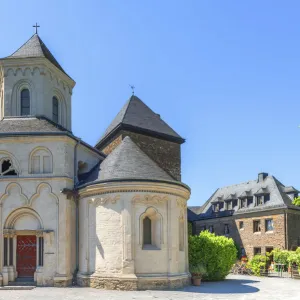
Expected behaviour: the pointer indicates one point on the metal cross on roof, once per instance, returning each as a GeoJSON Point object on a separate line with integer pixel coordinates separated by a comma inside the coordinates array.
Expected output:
{"type": "Point", "coordinates": [36, 27]}
{"type": "Point", "coordinates": [132, 87]}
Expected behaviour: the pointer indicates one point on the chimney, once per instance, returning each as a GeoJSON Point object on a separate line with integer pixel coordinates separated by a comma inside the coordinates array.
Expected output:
{"type": "Point", "coordinates": [262, 176]}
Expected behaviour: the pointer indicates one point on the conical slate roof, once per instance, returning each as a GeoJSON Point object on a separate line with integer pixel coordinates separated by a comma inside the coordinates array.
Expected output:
{"type": "Point", "coordinates": [129, 161]}
{"type": "Point", "coordinates": [35, 47]}
{"type": "Point", "coordinates": [136, 115]}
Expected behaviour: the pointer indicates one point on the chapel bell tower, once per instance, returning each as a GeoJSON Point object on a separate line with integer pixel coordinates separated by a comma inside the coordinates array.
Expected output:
{"type": "Point", "coordinates": [33, 83]}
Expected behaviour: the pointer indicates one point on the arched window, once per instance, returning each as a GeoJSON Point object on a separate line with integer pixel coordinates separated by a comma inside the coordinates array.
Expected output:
{"type": "Point", "coordinates": [55, 109]}
{"type": "Point", "coordinates": [25, 102]}
{"type": "Point", "coordinates": [41, 162]}
{"type": "Point", "coordinates": [151, 229]}
{"type": "Point", "coordinates": [147, 231]}
{"type": "Point", "coordinates": [6, 168]}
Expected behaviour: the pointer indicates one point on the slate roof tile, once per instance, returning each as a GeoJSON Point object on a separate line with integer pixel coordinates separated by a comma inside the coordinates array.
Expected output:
{"type": "Point", "coordinates": [136, 114]}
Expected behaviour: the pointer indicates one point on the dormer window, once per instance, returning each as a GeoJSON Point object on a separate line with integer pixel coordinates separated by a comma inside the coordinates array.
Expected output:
{"type": "Point", "coordinates": [229, 205]}
{"type": "Point", "coordinates": [266, 198]}
{"type": "Point", "coordinates": [244, 203]}
{"type": "Point", "coordinates": [25, 102]}
{"type": "Point", "coordinates": [260, 200]}
{"type": "Point", "coordinates": [55, 109]}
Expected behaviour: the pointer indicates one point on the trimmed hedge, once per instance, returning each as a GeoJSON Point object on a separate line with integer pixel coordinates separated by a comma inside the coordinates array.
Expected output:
{"type": "Point", "coordinates": [216, 253]}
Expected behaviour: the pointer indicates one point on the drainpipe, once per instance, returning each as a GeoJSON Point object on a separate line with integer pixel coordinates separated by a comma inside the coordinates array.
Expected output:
{"type": "Point", "coordinates": [76, 200]}
{"type": "Point", "coordinates": [286, 230]}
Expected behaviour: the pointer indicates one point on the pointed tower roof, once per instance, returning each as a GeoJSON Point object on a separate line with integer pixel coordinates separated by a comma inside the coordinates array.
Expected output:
{"type": "Point", "coordinates": [136, 116]}
{"type": "Point", "coordinates": [35, 47]}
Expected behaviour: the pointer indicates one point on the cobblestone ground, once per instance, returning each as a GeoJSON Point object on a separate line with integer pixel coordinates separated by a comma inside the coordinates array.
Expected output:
{"type": "Point", "coordinates": [235, 287]}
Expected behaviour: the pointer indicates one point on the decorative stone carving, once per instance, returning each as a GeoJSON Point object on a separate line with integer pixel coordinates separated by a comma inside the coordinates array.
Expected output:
{"type": "Point", "coordinates": [150, 199]}
{"type": "Point", "coordinates": [105, 200]}
{"type": "Point", "coordinates": [181, 203]}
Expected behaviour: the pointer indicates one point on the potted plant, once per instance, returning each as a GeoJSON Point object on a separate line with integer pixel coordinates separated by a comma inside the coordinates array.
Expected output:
{"type": "Point", "coordinates": [197, 271]}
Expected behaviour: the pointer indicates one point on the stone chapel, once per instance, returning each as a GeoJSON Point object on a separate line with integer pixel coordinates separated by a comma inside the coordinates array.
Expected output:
{"type": "Point", "coordinates": [109, 216]}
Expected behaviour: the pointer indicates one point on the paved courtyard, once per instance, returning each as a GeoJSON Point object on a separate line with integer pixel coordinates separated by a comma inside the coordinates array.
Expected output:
{"type": "Point", "coordinates": [235, 287]}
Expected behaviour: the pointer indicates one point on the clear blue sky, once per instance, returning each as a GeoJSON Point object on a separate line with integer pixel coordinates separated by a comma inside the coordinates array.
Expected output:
{"type": "Point", "coordinates": [223, 74]}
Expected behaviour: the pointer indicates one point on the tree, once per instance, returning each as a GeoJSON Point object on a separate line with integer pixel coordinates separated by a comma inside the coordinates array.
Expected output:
{"type": "Point", "coordinates": [296, 201]}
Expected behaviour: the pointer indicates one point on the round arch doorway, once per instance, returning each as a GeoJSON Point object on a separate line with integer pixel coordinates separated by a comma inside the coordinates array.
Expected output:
{"type": "Point", "coordinates": [23, 244]}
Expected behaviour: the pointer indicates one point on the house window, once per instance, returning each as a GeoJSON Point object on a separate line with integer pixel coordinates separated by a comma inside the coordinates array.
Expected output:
{"type": "Point", "coordinates": [25, 102]}
{"type": "Point", "coordinates": [221, 205]}
{"type": "Point", "coordinates": [226, 229]}
{"type": "Point", "coordinates": [55, 109]}
{"type": "Point", "coordinates": [241, 224]}
{"type": "Point", "coordinates": [269, 225]}
{"type": "Point", "coordinates": [257, 251]}
{"type": "Point", "coordinates": [250, 201]}
{"type": "Point", "coordinates": [216, 207]}
{"type": "Point", "coordinates": [267, 197]}
{"type": "Point", "coordinates": [211, 229]}
{"type": "Point", "coordinates": [41, 161]}
{"type": "Point", "coordinates": [256, 226]}
{"type": "Point", "coordinates": [147, 231]}
{"type": "Point", "coordinates": [229, 205]}
{"type": "Point", "coordinates": [244, 203]}
{"type": "Point", "coordinates": [260, 200]}
{"type": "Point", "coordinates": [202, 228]}
{"type": "Point", "coordinates": [234, 203]}
{"type": "Point", "coordinates": [6, 168]}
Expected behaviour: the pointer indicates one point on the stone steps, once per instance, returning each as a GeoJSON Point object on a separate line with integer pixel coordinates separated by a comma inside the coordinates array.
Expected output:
{"type": "Point", "coordinates": [17, 288]}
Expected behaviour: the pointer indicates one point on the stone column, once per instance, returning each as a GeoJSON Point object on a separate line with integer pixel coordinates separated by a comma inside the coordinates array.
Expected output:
{"type": "Point", "coordinates": [5, 267]}
{"type": "Point", "coordinates": [128, 262]}
{"type": "Point", "coordinates": [38, 275]}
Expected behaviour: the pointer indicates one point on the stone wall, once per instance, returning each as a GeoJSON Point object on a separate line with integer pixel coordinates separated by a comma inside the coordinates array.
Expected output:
{"type": "Point", "coordinates": [246, 237]}
{"type": "Point", "coordinates": [293, 225]}
{"type": "Point", "coordinates": [166, 154]}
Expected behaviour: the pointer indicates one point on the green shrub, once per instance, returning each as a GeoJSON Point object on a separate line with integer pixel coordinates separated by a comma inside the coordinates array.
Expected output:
{"type": "Point", "coordinates": [190, 228]}
{"type": "Point", "coordinates": [258, 263]}
{"type": "Point", "coordinates": [216, 253]}
{"type": "Point", "coordinates": [296, 201]}
{"type": "Point", "coordinates": [282, 257]}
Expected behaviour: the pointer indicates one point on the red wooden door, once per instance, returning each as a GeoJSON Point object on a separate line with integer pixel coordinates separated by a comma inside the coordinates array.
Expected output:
{"type": "Point", "coordinates": [26, 255]}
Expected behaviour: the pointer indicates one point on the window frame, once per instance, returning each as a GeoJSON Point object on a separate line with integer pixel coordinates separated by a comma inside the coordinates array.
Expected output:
{"type": "Point", "coordinates": [255, 252]}
{"type": "Point", "coordinates": [258, 222]}
{"type": "Point", "coordinates": [266, 225]}
{"type": "Point", "coordinates": [57, 114]}
{"type": "Point", "coordinates": [22, 99]}
{"type": "Point", "coordinates": [241, 227]}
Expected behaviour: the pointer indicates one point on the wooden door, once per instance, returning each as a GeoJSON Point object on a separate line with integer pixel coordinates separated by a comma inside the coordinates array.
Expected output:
{"type": "Point", "coordinates": [26, 255]}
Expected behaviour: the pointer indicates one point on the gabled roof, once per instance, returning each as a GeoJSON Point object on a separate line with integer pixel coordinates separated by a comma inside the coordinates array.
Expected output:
{"type": "Point", "coordinates": [135, 115]}
{"type": "Point", "coordinates": [35, 47]}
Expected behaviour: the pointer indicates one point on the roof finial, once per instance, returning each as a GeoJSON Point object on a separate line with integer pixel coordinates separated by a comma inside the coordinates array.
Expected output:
{"type": "Point", "coordinates": [36, 27]}
{"type": "Point", "coordinates": [132, 87]}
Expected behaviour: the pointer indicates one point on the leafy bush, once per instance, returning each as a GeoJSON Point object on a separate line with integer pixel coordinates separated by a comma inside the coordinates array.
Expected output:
{"type": "Point", "coordinates": [258, 263]}
{"type": "Point", "coordinates": [190, 228]}
{"type": "Point", "coordinates": [216, 253]}
{"type": "Point", "coordinates": [281, 257]}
